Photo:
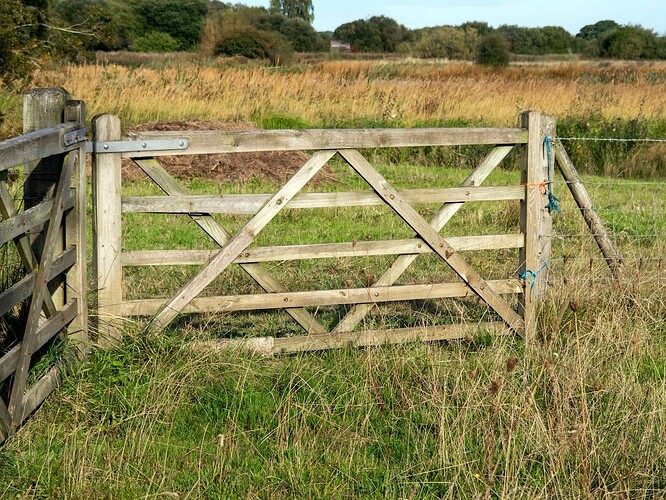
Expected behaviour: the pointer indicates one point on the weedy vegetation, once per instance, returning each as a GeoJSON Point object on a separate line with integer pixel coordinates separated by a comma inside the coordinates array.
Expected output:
{"type": "Point", "coordinates": [578, 412]}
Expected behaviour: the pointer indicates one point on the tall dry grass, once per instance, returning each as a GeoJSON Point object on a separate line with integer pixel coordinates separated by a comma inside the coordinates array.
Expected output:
{"type": "Point", "coordinates": [339, 93]}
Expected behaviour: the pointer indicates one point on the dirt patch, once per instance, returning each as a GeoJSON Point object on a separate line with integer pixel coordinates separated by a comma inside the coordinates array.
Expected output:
{"type": "Point", "coordinates": [273, 166]}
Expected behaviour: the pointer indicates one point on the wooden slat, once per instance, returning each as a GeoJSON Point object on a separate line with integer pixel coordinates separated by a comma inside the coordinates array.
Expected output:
{"type": "Point", "coordinates": [46, 332]}
{"type": "Point", "coordinates": [372, 295]}
{"type": "Point", "coordinates": [586, 207]}
{"type": "Point", "coordinates": [320, 250]}
{"type": "Point", "coordinates": [41, 289]}
{"type": "Point", "coordinates": [241, 240]}
{"type": "Point", "coordinates": [22, 289]}
{"type": "Point", "coordinates": [30, 220]}
{"type": "Point", "coordinates": [40, 391]}
{"type": "Point", "coordinates": [214, 229]}
{"type": "Point", "coordinates": [5, 422]}
{"type": "Point", "coordinates": [433, 239]}
{"type": "Point", "coordinates": [268, 346]}
{"type": "Point", "coordinates": [441, 218]}
{"type": "Point", "coordinates": [36, 145]}
{"type": "Point", "coordinates": [287, 345]}
{"type": "Point", "coordinates": [210, 142]}
{"type": "Point", "coordinates": [251, 203]}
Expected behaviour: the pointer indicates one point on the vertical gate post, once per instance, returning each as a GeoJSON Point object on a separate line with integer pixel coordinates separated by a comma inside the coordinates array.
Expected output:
{"type": "Point", "coordinates": [75, 234]}
{"type": "Point", "coordinates": [44, 108]}
{"type": "Point", "coordinates": [107, 231]}
{"type": "Point", "coordinates": [535, 218]}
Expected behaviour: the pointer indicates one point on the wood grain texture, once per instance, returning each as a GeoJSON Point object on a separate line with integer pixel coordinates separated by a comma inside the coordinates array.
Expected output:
{"type": "Point", "coordinates": [441, 218]}
{"type": "Point", "coordinates": [372, 295]}
{"type": "Point", "coordinates": [107, 232]}
{"type": "Point", "coordinates": [35, 146]}
{"type": "Point", "coordinates": [320, 250]}
{"type": "Point", "coordinates": [219, 235]}
{"type": "Point", "coordinates": [240, 241]}
{"type": "Point", "coordinates": [51, 243]}
{"type": "Point", "coordinates": [213, 142]}
{"type": "Point", "coordinates": [252, 203]}
{"type": "Point", "coordinates": [433, 239]}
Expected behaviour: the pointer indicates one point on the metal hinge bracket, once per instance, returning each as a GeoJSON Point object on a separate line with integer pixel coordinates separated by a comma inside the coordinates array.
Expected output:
{"type": "Point", "coordinates": [74, 137]}
{"type": "Point", "coordinates": [137, 145]}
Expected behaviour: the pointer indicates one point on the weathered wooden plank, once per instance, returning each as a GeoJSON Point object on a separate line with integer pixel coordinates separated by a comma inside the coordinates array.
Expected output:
{"type": "Point", "coordinates": [214, 229]}
{"type": "Point", "coordinates": [40, 391]}
{"type": "Point", "coordinates": [241, 240]}
{"type": "Point", "coordinates": [107, 232]}
{"type": "Point", "coordinates": [433, 239]}
{"type": "Point", "coordinates": [320, 250]}
{"type": "Point", "coordinates": [372, 295]}
{"type": "Point", "coordinates": [268, 346]}
{"type": "Point", "coordinates": [34, 146]}
{"type": "Point", "coordinates": [5, 422]}
{"type": "Point", "coordinates": [28, 221]}
{"type": "Point", "coordinates": [46, 332]}
{"type": "Point", "coordinates": [441, 218]}
{"type": "Point", "coordinates": [586, 207]}
{"type": "Point", "coordinates": [75, 235]}
{"type": "Point", "coordinates": [46, 261]}
{"type": "Point", "coordinates": [209, 142]}
{"type": "Point", "coordinates": [252, 203]}
{"type": "Point", "coordinates": [21, 290]}
{"type": "Point", "coordinates": [533, 167]}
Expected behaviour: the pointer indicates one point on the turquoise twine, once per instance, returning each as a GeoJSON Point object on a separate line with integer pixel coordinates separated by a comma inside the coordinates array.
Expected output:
{"type": "Point", "coordinates": [530, 277]}
{"type": "Point", "coordinates": [552, 199]}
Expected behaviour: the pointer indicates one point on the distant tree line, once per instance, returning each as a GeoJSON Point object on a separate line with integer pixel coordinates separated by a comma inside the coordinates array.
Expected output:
{"type": "Point", "coordinates": [32, 31]}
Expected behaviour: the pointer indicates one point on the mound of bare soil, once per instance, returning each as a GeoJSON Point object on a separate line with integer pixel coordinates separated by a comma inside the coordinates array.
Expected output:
{"type": "Point", "coordinates": [272, 166]}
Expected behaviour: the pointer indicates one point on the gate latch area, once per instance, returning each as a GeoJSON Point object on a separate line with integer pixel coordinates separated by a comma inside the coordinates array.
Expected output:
{"type": "Point", "coordinates": [134, 146]}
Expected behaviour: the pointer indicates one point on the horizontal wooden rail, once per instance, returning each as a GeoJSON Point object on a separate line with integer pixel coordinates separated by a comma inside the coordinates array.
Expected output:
{"type": "Point", "coordinates": [212, 142]}
{"type": "Point", "coordinates": [46, 332]}
{"type": "Point", "coordinates": [228, 303]}
{"type": "Point", "coordinates": [36, 145]}
{"type": "Point", "coordinates": [30, 220]}
{"type": "Point", "coordinates": [21, 290]}
{"type": "Point", "coordinates": [252, 203]}
{"type": "Point", "coordinates": [320, 250]}
{"type": "Point", "coordinates": [269, 346]}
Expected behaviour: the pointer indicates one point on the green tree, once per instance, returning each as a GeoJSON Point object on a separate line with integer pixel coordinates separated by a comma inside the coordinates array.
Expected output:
{"type": "Point", "coordinates": [182, 19]}
{"type": "Point", "coordinates": [493, 50]}
{"type": "Point", "coordinates": [594, 31]}
{"type": "Point", "coordinates": [377, 34]}
{"type": "Point", "coordinates": [18, 45]}
{"type": "Point", "coordinates": [302, 9]}
{"type": "Point", "coordinates": [629, 42]}
{"type": "Point", "coordinates": [447, 42]}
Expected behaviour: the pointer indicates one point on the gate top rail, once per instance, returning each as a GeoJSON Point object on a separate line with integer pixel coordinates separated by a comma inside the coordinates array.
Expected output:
{"type": "Point", "coordinates": [212, 141]}
{"type": "Point", "coordinates": [40, 144]}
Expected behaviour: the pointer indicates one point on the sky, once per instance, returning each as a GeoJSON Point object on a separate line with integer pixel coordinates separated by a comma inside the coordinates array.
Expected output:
{"type": "Point", "coordinates": [572, 15]}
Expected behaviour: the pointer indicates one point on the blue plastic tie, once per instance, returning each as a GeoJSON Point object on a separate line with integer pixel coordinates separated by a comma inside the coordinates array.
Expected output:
{"type": "Point", "coordinates": [530, 277]}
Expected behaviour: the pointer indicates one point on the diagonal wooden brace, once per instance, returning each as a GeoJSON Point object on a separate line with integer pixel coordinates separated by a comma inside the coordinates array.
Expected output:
{"type": "Point", "coordinates": [433, 239]}
{"type": "Point", "coordinates": [240, 241]}
{"type": "Point", "coordinates": [221, 236]}
{"type": "Point", "coordinates": [443, 216]}
{"type": "Point", "coordinates": [23, 246]}
{"type": "Point", "coordinates": [41, 289]}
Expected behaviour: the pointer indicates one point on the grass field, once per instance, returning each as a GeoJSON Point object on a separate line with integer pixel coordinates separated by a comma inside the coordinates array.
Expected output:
{"type": "Point", "coordinates": [579, 413]}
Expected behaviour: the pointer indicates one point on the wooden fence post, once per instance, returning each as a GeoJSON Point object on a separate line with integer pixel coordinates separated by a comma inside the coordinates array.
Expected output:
{"type": "Point", "coordinates": [535, 218]}
{"type": "Point", "coordinates": [107, 231]}
{"type": "Point", "coordinates": [44, 108]}
{"type": "Point", "coordinates": [75, 234]}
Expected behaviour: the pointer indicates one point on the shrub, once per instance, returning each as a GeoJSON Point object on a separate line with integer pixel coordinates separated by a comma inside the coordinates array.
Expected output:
{"type": "Point", "coordinates": [252, 43]}
{"type": "Point", "coordinates": [493, 51]}
{"type": "Point", "coordinates": [156, 41]}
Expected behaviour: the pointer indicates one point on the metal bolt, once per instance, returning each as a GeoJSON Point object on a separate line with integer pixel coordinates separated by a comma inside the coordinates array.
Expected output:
{"type": "Point", "coordinates": [144, 145]}
{"type": "Point", "coordinates": [392, 196]}
{"type": "Point", "coordinates": [181, 144]}
{"type": "Point", "coordinates": [106, 146]}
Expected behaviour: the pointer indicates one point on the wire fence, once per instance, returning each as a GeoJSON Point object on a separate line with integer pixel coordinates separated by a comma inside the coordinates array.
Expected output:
{"type": "Point", "coordinates": [634, 213]}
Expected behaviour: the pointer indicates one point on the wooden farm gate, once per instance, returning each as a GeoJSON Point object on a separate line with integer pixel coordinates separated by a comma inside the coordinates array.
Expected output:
{"type": "Point", "coordinates": [109, 148]}
{"type": "Point", "coordinates": [47, 234]}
